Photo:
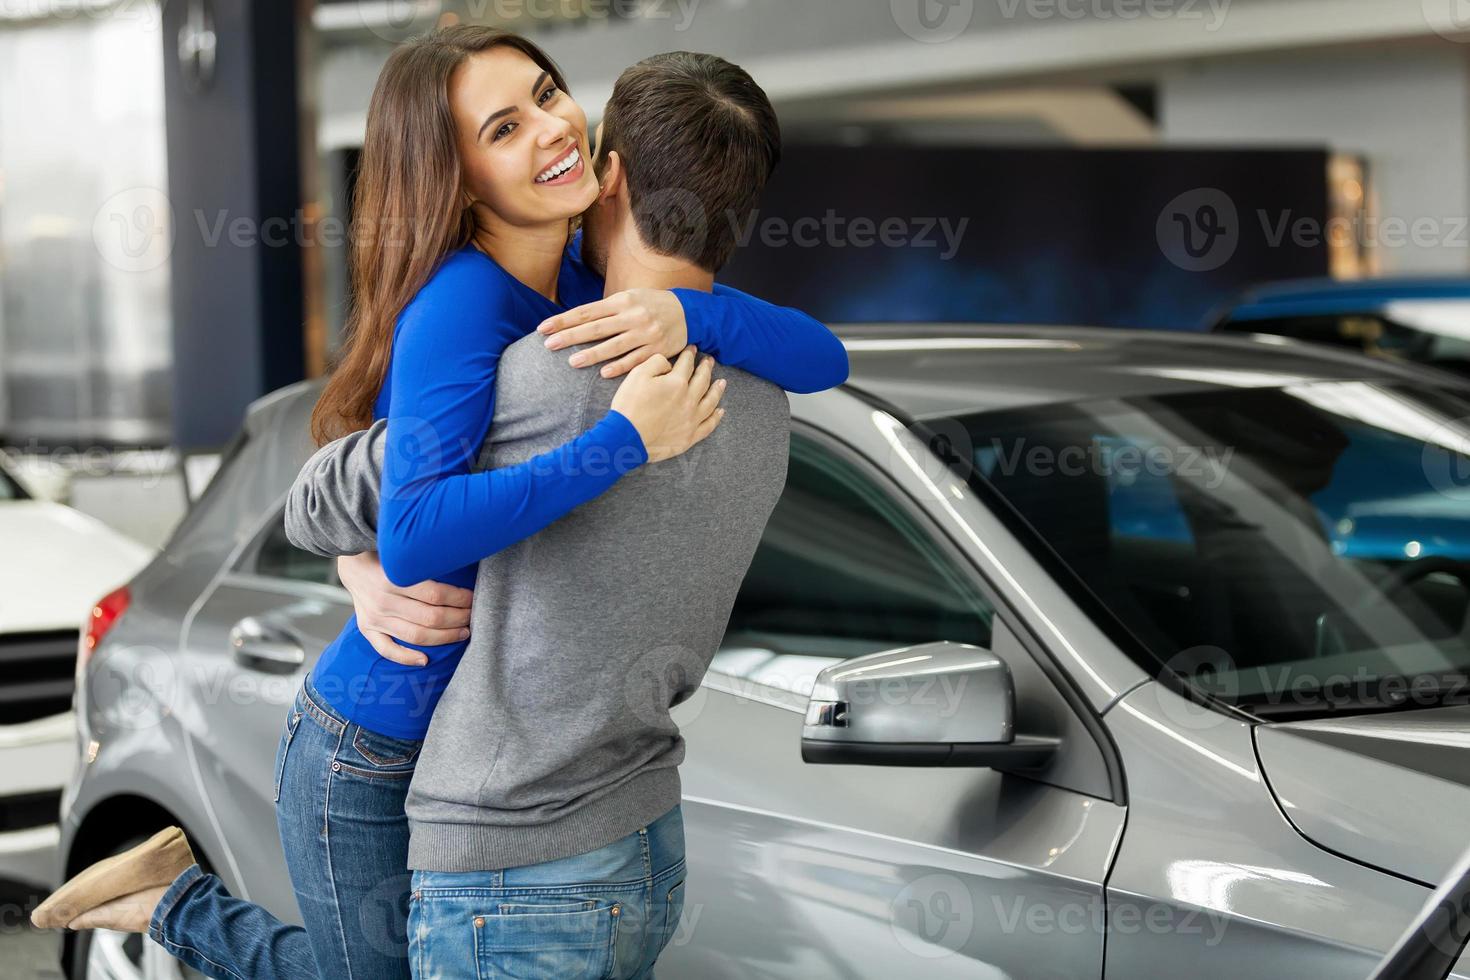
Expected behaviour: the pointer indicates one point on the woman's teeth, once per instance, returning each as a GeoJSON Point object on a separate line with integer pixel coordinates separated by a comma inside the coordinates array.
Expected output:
{"type": "Point", "coordinates": [557, 169]}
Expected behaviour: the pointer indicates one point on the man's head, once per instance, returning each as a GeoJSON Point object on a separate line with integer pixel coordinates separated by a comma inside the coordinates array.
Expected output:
{"type": "Point", "coordinates": [686, 144]}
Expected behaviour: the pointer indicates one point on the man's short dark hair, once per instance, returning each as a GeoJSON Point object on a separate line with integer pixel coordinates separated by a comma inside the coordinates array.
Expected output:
{"type": "Point", "coordinates": [698, 139]}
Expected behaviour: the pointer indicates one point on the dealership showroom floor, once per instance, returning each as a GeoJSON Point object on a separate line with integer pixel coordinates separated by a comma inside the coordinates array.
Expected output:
{"type": "Point", "coordinates": [783, 488]}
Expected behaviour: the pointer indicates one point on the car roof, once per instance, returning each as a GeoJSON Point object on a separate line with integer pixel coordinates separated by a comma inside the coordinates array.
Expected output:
{"type": "Point", "coordinates": [1323, 297]}
{"type": "Point", "coordinates": [922, 371]}
{"type": "Point", "coordinates": [936, 370]}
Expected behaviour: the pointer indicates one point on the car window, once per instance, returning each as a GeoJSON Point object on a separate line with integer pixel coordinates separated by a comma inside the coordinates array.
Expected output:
{"type": "Point", "coordinates": [277, 557]}
{"type": "Point", "coordinates": [1360, 332]}
{"type": "Point", "coordinates": [841, 571]}
{"type": "Point", "coordinates": [1302, 550]}
{"type": "Point", "coordinates": [1392, 335]}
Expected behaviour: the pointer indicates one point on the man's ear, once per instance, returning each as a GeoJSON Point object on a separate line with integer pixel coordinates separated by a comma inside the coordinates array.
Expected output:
{"type": "Point", "coordinates": [613, 178]}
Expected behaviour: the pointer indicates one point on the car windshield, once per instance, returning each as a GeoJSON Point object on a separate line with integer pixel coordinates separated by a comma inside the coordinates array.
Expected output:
{"type": "Point", "coordinates": [1293, 550]}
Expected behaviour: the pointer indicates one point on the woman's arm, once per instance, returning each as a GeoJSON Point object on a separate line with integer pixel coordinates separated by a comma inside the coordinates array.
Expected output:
{"type": "Point", "coordinates": [435, 515]}
{"type": "Point", "coordinates": [780, 344]}
{"type": "Point", "coordinates": [411, 472]}
{"type": "Point", "coordinates": [784, 346]}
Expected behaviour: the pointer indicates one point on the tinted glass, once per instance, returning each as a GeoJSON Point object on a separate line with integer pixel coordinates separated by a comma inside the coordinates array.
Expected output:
{"type": "Point", "coordinates": [1295, 548]}
{"type": "Point", "coordinates": [842, 571]}
{"type": "Point", "coordinates": [1436, 334]}
{"type": "Point", "coordinates": [279, 558]}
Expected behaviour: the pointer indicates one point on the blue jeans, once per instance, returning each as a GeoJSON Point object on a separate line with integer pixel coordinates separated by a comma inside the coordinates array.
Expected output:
{"type": "Point", "coordinates": [604, 914]}
{"type": "Point", "coordinates": [340, 791]}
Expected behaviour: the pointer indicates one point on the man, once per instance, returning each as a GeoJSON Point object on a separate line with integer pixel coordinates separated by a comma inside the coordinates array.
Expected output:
{"type": "Point", "coordinates": [546, 836]}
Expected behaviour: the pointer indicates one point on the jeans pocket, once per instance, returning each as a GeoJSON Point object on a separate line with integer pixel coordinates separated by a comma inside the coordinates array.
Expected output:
{"type": "Point", "coordinates": [529, 938]}
{"type": "Point", "coordinates": [383, 752]}
{"type": "Point", "coordinates": [292, 722]}
{"type": "Point", "coordinates": [673, 911]}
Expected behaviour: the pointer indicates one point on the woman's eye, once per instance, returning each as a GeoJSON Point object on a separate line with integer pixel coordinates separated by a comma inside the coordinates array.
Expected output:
{"type": "Point", "coordinates": [546, 96]}
{"type": "Point", "coordinates": [504, 130]}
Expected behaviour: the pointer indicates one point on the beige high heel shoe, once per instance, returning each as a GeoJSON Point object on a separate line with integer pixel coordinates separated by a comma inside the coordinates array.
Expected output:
{"type": "Point", "coordinates": [153, 864]}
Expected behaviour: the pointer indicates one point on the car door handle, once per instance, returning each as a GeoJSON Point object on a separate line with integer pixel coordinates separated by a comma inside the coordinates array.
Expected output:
{"type": "Point", "coordinates": [267, 648]}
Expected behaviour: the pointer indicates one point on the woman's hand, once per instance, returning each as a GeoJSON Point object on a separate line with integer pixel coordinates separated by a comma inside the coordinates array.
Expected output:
{"type": "Point", "coordinates": [633, 325]}
{"type": "Point", "coordinates": [428, 614]}
{"type": "Point", "coordinates": [673, 406]}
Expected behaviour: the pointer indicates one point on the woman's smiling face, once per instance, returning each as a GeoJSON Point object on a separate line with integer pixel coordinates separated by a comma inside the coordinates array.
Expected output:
{"type": "Point", "coordinates": [522, 141]}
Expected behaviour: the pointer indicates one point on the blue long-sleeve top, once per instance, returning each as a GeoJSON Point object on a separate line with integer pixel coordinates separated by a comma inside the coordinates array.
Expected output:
{"type": "Point", "coordinates": [437, 519]}
{"type": "Point", "coordinates": [436, 516]}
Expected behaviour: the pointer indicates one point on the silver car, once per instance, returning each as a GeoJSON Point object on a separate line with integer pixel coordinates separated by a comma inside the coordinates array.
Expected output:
{"type": "Point", "coordinates": [1066, 653]}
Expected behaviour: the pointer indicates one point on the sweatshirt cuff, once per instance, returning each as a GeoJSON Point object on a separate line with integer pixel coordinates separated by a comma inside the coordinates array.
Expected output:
{"type": "Point", "coordinates": [620, 437]}
{"type": "Point", "coordinates": [700, 313]}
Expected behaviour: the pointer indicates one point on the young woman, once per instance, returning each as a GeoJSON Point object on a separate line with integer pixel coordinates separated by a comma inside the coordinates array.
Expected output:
{"type": "Point", "coordinates": [474, 166]}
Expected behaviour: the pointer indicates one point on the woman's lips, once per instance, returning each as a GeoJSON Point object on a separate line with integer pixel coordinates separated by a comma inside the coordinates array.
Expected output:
{"type": "Point", "coordinates": [568, 176]}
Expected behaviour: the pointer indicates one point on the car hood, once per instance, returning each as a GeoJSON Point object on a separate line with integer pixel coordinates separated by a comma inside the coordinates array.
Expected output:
{"type": "Point", "coordinates": [1391, 791]}
{"type": "Point", "coordinates": [56, 562]}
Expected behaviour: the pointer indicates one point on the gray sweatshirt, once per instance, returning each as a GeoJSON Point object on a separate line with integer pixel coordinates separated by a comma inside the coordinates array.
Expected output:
{"type": "Point", "coordinates": [554, 736]}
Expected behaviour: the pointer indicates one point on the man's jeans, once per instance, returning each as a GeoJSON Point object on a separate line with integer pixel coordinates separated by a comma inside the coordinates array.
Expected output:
{"type": "Point", "coordinates": [340, 791]}
{"type": "Point", "coordinates": [604, 914]}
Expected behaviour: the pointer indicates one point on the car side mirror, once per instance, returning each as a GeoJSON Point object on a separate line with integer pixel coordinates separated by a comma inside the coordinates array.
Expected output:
{"type": "Point", "coordinates": [937, 704]}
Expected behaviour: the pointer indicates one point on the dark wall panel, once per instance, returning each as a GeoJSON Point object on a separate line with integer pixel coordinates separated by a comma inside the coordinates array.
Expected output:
{"type": "Point", "coordinates": [892, 233]}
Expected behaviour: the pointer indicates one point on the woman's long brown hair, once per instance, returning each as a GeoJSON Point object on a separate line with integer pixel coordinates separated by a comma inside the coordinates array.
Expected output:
{"type": "Point", "coordinates": [407, 209]}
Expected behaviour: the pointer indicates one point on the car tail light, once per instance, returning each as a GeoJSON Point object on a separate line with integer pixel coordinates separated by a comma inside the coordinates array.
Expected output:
{"type": "Point", "coordinates": [104, 614]}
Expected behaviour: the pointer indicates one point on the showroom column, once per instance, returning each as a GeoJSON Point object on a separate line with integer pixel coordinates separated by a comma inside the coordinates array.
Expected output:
{"type": "Point", "coordinates": [234, 184]}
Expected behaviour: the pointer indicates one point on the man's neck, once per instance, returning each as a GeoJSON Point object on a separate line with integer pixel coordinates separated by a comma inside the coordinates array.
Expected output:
{"type": "Point", "coordinates": [532, 255]}
{"type": "Point", "coordinates": [632, 265]}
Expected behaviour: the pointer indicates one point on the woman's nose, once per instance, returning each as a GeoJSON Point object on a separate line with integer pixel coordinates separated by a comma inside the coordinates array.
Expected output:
{"type": "Point", "coordinates": [555, 130]}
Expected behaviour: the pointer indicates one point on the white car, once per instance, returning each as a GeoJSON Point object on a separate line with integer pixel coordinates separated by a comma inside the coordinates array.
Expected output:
{"type": "Point", "coordinates": [55, 565]}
